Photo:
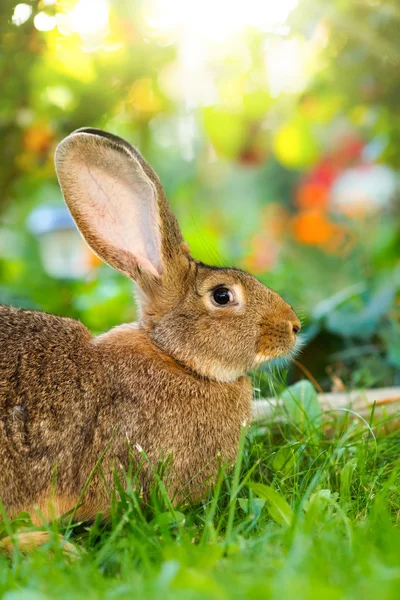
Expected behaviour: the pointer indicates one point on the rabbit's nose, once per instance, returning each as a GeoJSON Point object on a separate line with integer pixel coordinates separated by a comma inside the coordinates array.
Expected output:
{"type": "Point", "coordinates": [296, 326]}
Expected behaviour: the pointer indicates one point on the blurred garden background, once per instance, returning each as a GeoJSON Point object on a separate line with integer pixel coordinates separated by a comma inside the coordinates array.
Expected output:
{"type": "Point", "coordinates": [275, 129]}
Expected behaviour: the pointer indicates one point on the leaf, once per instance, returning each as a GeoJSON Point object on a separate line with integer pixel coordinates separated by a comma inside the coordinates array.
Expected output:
{"type": "Point", "coordinates": [277, 506]}
{"type": "Point", "coordinates": [251, 506]}
{"type": "Point", "coordinates": [346, 477]}
{"type": "Point", "coordinates": [199, 583]}
{"type": "Point", "coordinates": [326, 306]}
{"type": "Point", "coordinates": [324, 495]}
{"type": "Point", "coordinates": [168, 519]}
{"type": "Point", "coordinates": [256, 104]}
{"type": "Point", "coordinates": [393, 350]}
{"type": "Point", "coordinates": [284, 461]}
{"type": "Point", "coordinates": [301, 402]}
{"type": "Point", "coordinates": [317, 505]}
{"type": "Point", "coordinates": [362, 323]}
{"type": "Point", "coordinates": [226, 129]}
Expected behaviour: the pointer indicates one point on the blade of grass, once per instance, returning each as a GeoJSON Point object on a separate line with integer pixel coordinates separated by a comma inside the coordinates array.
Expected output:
{"type": "Point", "coordinates": [235, 485]}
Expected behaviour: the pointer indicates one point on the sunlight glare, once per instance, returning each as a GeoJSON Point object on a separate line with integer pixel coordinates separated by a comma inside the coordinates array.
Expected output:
{"type": "Point", "coordinates": [89, 17]}
{"type": "Point", "coordinates": [44, 22]}
{"type": "Point", "coordinates": [285, 62]}
{"type": "Point", "coordinates": [217, 19]}
{"type": "Point", "coordinates": [21, 14]}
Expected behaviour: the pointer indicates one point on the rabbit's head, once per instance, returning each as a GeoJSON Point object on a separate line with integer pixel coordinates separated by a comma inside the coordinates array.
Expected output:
{"type": "Point", "coordinates": [217, 322]}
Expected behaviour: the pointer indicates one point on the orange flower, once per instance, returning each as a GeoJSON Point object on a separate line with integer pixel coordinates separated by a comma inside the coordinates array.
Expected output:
{"type": "Point", "coordinates": [38, 138]}
{"type": "Point", "coordinates": [312, 194]}
{"type": "Point", "coordinates": [313, 228]}
{"type": "Point", "coordinates": [91, 259]}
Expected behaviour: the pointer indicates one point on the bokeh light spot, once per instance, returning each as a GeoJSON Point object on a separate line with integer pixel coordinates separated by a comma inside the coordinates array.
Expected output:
{"type": "Point", "coordinates": [21, 14]}
{"type": "Point", "coordinates": [44, 22]}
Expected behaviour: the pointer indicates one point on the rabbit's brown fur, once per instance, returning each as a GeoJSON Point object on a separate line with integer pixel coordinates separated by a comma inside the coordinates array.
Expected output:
{"type": "Point", "coordinates": [174, 384]}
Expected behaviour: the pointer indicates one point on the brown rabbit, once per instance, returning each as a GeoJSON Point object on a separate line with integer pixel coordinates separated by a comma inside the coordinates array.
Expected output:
{"type": "Point", "coordinates": [173, 384]}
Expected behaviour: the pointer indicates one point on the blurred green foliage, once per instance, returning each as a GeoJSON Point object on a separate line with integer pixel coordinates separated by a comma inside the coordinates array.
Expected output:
{"type": "Point", "coordinates": [253, 137]}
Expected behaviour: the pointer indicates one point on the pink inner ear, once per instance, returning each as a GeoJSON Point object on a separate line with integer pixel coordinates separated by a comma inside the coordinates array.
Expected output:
{"type": "Point", "coordinates": [122, 210]}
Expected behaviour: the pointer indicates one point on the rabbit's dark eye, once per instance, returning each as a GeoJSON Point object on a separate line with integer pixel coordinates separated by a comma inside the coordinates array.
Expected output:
{"type": "Point", "coordinates": [222, 296]}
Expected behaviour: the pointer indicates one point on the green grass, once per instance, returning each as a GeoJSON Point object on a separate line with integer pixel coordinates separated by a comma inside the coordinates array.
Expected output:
{"type": "Point", "coordinates": [311, 510]}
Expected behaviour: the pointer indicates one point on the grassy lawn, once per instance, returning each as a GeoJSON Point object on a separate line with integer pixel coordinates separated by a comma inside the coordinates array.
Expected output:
{"type": "Point", "coordinates": [311, 510]}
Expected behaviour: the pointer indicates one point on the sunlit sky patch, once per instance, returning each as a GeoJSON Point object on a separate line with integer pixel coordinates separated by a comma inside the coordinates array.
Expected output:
{"type": "Point", "coordinates": [217, 19]}
{"type": "Point", "coordinates": [89, 17]}
{"type": "Point", "coordinates": [201, 31]}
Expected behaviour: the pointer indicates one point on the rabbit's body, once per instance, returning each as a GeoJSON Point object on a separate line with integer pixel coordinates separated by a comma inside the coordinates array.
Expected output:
{"type": "Point", "coordinates": [65, 394]}
{"type": "Point", "coordinates": [174, 384]}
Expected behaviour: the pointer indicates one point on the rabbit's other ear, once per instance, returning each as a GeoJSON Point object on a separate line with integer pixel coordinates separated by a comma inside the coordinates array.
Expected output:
{"type": "Point", "coordinates": [119, 206]}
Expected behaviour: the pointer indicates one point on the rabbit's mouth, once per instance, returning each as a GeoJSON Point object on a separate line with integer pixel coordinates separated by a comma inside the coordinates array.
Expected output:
{"type": "Point", "coordinates": [287, 353]}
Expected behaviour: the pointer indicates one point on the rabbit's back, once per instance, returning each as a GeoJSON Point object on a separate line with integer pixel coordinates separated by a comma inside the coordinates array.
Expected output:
{"type": "Point", "coordinates": [47, 405]}
{"type": "Point", "coordinates": [41, 356]}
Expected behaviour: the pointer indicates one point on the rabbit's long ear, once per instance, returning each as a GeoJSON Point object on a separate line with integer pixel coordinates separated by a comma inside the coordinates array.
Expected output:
{"type": "Point", "coordinates": [118, 204]}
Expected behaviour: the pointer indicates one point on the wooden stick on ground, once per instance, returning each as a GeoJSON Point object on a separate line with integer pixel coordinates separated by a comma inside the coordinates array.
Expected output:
{"type": "Point", "coordinates": [386, 401]}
